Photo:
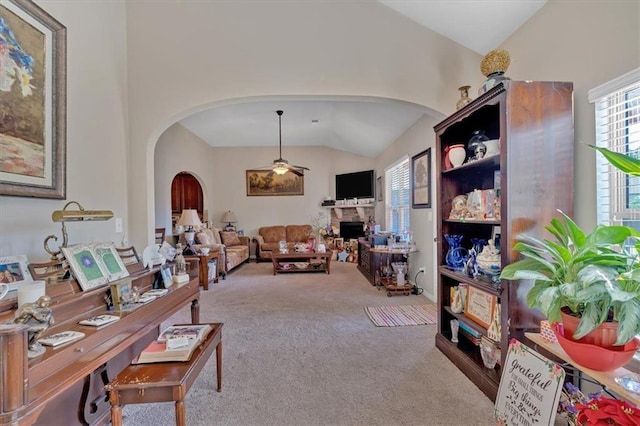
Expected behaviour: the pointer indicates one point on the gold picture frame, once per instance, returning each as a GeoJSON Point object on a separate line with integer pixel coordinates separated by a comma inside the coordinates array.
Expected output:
{"type": "Point", "coordinates": [263, 183]}
{"type": "Point", "coordinates": [33, 156]}
{"type": "Point", "coordinates": [479, 306]}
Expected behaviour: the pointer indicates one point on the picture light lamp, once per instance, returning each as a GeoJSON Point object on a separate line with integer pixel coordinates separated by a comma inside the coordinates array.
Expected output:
{"type": "Point", "coordinates": [68, 215]}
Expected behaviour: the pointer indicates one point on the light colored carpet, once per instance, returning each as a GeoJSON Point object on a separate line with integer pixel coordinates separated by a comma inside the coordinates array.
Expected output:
{"type": "Point", "coordinates": [395, 316]}
{"type": "Point", "coordinates": [298, 350]}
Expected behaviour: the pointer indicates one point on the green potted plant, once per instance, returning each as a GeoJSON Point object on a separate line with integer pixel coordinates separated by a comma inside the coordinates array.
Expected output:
{"type": "Point", "coordinates": [592, 276]}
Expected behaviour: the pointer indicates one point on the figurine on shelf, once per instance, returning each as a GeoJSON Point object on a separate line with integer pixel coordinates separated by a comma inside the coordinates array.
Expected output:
{"type": "Point", "coordinates": [459, 207]}
{"type": "Point", "coordinates": [489, 259]}
{"type": "Point", "coordinates": [38, 316]}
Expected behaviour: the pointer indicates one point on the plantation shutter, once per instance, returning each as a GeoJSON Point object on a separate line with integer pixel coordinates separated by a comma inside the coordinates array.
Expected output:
{"type": "Point", "coordinates": [617, 114]}
{"type": "Point", "coordinates": [397, 197]}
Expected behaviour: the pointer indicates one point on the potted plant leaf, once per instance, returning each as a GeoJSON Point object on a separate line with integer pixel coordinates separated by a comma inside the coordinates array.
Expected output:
{"type": "Point", "coordinates": [594, 277]}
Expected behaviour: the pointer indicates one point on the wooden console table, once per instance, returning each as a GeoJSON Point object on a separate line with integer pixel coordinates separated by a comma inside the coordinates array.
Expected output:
{"type": "Point", "coordinates": [606, 378]}
{"type": "Point", "coordinates": [164, 381]}
{"type": "Point", "coordinates": [67, 383]}
{"type": "Point", "coordinates": [279, 259]}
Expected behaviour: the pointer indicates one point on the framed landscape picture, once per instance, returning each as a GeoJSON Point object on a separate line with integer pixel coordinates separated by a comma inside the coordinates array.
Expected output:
{"type": "Point", "coordinates": [421, 180]}
{"type": "Point", "coordinates": [33, 102]}
{"type": "Point", "coordinates": [267, 182]}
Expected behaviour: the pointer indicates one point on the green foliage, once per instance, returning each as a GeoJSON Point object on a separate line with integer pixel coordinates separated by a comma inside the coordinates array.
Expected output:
{"type": "Point", "coordinates": [594, 275]}
{"type": "Point", "coordinates": [626, 163]}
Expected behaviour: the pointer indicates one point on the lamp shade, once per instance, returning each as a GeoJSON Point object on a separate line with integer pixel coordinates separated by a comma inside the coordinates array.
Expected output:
{"type": "Point", "coordinates": [229, 217]}
{"type": "Point", "coordinates": [188, 218]}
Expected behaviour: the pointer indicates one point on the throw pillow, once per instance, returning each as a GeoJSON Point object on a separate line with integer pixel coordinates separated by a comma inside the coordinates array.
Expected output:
{"type": "Point", "coordinates": [204, 238]}
{"type": "Point", "coordinates": [230, 238]}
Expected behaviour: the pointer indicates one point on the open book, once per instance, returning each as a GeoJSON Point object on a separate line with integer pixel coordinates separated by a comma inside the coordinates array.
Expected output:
{"type": "Point", "coordinates": [175, 343]}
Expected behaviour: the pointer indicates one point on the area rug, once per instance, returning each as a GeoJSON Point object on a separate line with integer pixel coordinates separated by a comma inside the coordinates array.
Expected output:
{"type": "Point", "coordinates": [395, 316]}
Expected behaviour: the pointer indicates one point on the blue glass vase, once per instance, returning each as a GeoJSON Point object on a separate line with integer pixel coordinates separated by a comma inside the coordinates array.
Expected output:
{"type": "Point", "coordinates": [456, 255]}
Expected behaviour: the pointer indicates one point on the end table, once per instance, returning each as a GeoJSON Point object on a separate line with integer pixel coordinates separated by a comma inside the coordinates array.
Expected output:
{"type": "Point", "coordinates": [207, 277]}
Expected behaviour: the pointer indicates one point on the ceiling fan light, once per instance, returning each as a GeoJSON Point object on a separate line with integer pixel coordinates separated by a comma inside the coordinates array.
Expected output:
{"type": "Point", "coordinates": [280, 169]}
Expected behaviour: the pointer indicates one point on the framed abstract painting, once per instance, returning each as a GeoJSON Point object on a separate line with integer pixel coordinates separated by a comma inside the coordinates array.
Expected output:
{"type": "Point", "coordinates": [32, 102]}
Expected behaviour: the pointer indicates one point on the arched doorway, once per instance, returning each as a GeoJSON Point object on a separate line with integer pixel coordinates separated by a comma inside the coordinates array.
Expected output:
{"type": "Point", "coordinates": [186, 193]}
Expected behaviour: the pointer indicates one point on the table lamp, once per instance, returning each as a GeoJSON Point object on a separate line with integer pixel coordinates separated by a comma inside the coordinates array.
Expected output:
{"type": "Point", "coordinates": [189, 219]}
{"type": "Point", "coordinates": [230, 218]}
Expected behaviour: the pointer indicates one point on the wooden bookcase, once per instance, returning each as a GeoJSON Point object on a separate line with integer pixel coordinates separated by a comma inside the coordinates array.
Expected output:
{"type": "Point", "coordinates": [534, 122]}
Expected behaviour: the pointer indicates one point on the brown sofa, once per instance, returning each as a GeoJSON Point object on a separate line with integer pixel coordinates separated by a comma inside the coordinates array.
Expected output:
{"type": "Point", "coordinates": [234, 250]}
{"type": "Point", "coordinates": [269, 237]}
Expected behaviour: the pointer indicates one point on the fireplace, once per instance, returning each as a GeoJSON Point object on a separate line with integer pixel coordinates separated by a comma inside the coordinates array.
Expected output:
{"type": "Point", "coordinates": [349, 230]}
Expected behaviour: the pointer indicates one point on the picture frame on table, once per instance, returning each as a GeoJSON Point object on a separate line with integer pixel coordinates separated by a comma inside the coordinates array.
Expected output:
{"type": "Point", "coordinates": [122, 294]}
{"type": "Point", "coordinates": [338, 243]}
{"type": "Point", "coordinates": [110, 260]}
{"type": "Point", "coordinates": [14, 271]}
{"type": "Point", "coordinates": [34, 156]}
{"type": "Point", "coordinates": [421, 180]}
{"type": "Point", "coordinates": [85, 267]}
{"type": "Point", "coordinates": [167, 276]}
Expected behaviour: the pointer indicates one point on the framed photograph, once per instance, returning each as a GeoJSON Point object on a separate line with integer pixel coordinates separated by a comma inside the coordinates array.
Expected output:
{"type": "Point", "coordinates": [85, 267]}
{"type": "Point", "coordinates": [110, 261]}
{"type": "Point", "coordinates": [421, 180]}
{"type": "Point", "coordinates": [479, 306]}
{"type": "Point", "coordinates": [495, 236]}
{"type": "Point", "coordinates": [338, 243]}
{"type": "Point", "coordinates": [380, 188]}
{"type": "Point", "coordinates": [167, 277]}
{"type": "Point", "coordinates": [14, 271]}
{"type": "Point", "coordinates": [33, 85]}
{"type": "Point", "coordinates": [266, 182]}
{"type": "Point", "coordinates": [122, 294]}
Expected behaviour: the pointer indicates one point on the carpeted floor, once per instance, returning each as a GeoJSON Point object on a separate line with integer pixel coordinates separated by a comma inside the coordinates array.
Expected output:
{"type": "Point", "coordinates": [396, 316]}
{"type": "Point", "coordinates": [300, 350]}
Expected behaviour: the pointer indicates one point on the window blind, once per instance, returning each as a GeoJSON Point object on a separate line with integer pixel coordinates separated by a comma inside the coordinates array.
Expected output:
{"type": "Point", "coordinates": [617, 115]}
{"type": "Point", "coordinates": [397, 197]}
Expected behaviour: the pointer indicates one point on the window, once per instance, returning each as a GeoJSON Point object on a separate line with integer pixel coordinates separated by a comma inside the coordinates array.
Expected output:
{"type": "Point", "coordinates": [617, 112]}
{"type": "Point", "coordinates": [398, 196]}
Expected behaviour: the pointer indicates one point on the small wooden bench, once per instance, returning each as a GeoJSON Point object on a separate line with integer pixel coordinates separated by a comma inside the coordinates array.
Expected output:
{"type": "Point", "coordinates": [164, 381]}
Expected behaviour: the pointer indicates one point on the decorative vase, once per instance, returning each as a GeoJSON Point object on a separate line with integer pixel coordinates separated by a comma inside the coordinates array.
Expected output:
{"type": "Point", "coordinates": [464, 97]}
{"type": "Point", "coordinates": [456, 154]}
{"type": "Point", "coordinates": [475, 146]}
{"type": "Point", "coordinates": [457, 255]}
{"type": "Point", "coordinates": [455, 325]}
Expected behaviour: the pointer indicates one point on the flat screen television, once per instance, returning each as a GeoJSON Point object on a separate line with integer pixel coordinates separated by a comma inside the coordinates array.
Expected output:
{"type": "Point", "coordinates": [355, 185]}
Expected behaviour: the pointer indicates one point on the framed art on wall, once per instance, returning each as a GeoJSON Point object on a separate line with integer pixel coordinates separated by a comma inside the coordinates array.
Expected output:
{"type": "Point", "coordinates": [379, 188]}
{"type": "Point", "coordinates": [33, 87]}
{"type": "Point", "coordinates": [421, 180]}
{"type": "Point", "coordinates": [267, 182]}
{"type": "Point", "coordinates": [14, 271]}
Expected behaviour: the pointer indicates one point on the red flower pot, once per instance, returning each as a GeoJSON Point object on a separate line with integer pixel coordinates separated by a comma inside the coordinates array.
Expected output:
{"type": "Point", "coordinates": [605, 335]}
{"type": "Point", "coordinates": [596, 357]}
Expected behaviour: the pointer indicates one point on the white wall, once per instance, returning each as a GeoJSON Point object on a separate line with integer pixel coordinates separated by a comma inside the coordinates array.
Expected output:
{"type": "Point", "coordinates": [416, 139]}
{"type": "Point", "coordinates": [97, 102]}
{"type": "Point", "coordinates": [588, 43]}
{"type": "Point", "coordinates": [185, 56]}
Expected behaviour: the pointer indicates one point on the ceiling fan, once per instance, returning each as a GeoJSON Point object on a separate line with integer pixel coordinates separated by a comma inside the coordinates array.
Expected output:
{"type": "Point", "coordinates": [281, 166]}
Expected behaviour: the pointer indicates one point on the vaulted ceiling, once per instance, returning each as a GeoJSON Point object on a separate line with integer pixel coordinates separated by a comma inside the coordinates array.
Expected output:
{"type": "Point", "coordinates": [344, 124]}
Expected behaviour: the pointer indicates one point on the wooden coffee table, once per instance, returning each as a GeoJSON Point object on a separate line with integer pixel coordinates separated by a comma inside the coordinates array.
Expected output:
{"type": "Point", "coordinates": [281, 260]}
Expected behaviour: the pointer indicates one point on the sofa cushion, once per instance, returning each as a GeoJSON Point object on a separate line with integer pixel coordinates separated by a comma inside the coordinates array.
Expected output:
{"type": "Point", "coordinates": [205, 237]}
{"type": "Point", "coordinates": [230, 238]}
{"type": "Point", "coordinates": [273, 234]}
{"type": "Point", "coordinates": [298, 233]}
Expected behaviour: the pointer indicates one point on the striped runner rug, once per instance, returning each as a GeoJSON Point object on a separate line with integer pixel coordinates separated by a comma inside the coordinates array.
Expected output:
{"type": "Point", "coordinates": [395, 316]}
